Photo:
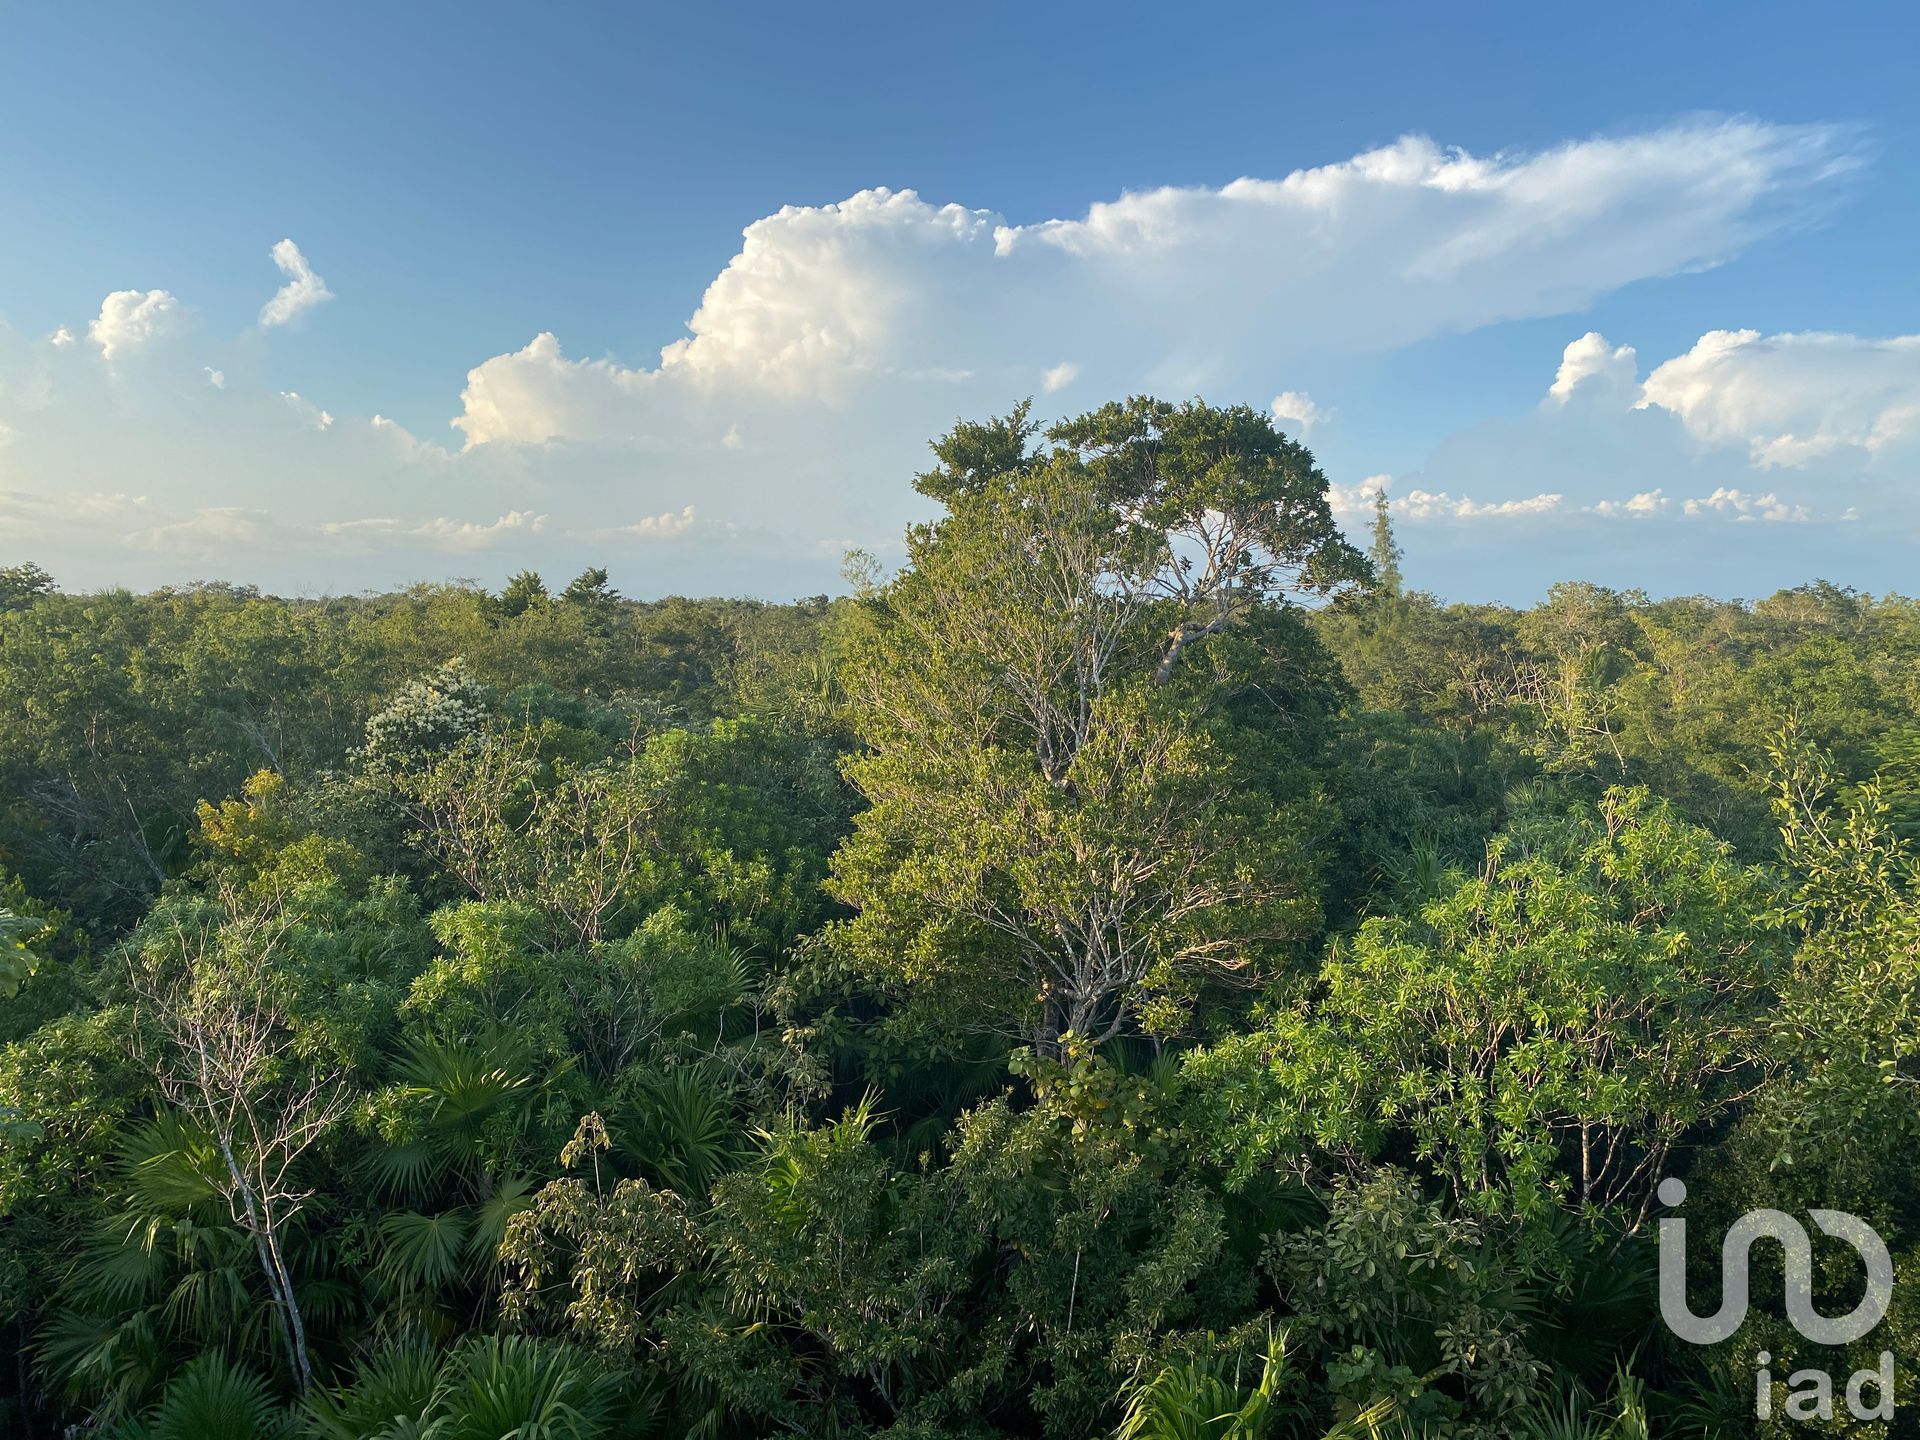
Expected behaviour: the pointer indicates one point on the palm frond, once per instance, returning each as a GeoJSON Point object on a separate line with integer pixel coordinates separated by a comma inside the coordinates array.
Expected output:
{"type": "Point", "coordinates": [423, 1252]}
{"type": "Point", "coordinates": [391, 1389]}
{"type": "Point", "coordinates": [517, 1386]}
{"type": "Point", "coordinates": [212, 1399]}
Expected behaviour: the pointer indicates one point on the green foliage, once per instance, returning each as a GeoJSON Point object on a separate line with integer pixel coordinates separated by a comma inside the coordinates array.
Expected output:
{"type": "Point", "coordinates": [18, 959]}
{"type": "Point", "coordinates": [499, 1386]}
{"type": "Point", "coordinates": [486, 1388]}
{"type": "Point", "coordinates": [1543, 1031]}
{"type": "Point", "coordinates": [1138, 970]}
{"type": "Point", "coordinates": [1398, 1293]}
{"type": "Point", "coordinates": [430, 717]}
{"type": "Point", "coordinates": [212, 1400]}
{"type": "Point", "coordinates": [21, 585]}
{"type": "Point", "coordinates": [522, 593]}
{"type": "Point", "coordinates": [391, 1392]}
{"type": "Point", "coordinates": [1082, 701]}
{"type": "Point", "coordinates": [1206, 1399]}
{"type": "Point", "coordinates": [1384, 554]}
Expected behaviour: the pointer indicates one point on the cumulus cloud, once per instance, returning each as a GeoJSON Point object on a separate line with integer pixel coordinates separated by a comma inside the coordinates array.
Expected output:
{"type": "Point", "coordinates": [659, 527]}
{"type": "Point", "coordinates": [303, 290]}
{"type": "Point", "coordinates": [840, 337]}
{"type": "Point", "coordinates": [1837, 409]}
{"type": "Point", "coordinates": [1592, 362]}
{"type": "Point", "coordinates": [439, 533]}
{"type": "Point", "coordinates": [1644, 506]}
{"type": "Point", "coordinates": [465, 535]}
{"type": "Point", "coordinates": [537, 394]}
{"type": "Point", "coordinates": [1352, 503]}
{"type": "Point", "coordinates": [818, 293]}
{"type": "Point", "coordinates": [1786, 400]}
{"type": "Point", "coordinates": [1300, 407]}
{"type": "Point", "coordinates": [40, 517]}
{"type": "Point", "coordinates": [1793, 398]}
{"type": "Point", "coordinates": [1427, 505]}
{"type": "Point", "coordinates": [219, 531]}
{"type": "Point", "coordinates": [1742, 506]}
{"type": "Point", "coordinates": [1179, 287]}
{"type": "Point", "coordinates": [129, 319]}
{"type": "Point", "coordinates": [1741, 462]}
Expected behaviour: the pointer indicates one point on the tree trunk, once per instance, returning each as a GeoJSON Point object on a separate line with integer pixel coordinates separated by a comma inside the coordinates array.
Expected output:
{"type": "Point", "coordinates": [279, 1282]}
{"type": "Point", "coordinates": [296, 1326]}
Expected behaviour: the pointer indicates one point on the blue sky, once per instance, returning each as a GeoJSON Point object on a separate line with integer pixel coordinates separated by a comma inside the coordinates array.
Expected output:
{"type": "Point", "coordinates": [469, 178]}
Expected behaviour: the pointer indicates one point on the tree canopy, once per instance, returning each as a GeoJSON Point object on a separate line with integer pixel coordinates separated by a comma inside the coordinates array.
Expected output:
{"type": "Point", "coordinates": [1139, 969]}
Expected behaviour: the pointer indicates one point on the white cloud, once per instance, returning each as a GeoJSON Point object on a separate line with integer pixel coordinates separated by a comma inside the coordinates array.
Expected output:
{"type": "Point", "coordinates": [216, 378]}
{"type": "Point", "coordinates": [1177, 288]}
{"type": "Point", "coordinates": [383, 528]}
{"type": "Point", "coordinates": [1711, 460]}
{"type": "Point", "coordinates": [311, 415]}
{"type": "Point", "coordinates": [840, 338]}
{"type": "Point", "coordinates": [1345, 501]}
{"type": "Point", "coordinates": [1058, 377]}
{"type": "Point", "coordinates": [218, 532]}
{"type": "Point", "coordinates": [537, 394]}
{"type": "Point", "coordinates": [676, 524]}
{"type": "Point", "coordinates": [439, 533]}
{"type": "Point", "coordinates": [37, 517]}
{"type": "Point", "coordinates": [1742, 506]}
{"type": "Point", "coordinates": [1786, 400]}
{"type": "Point", "coordinates": [820, 292]}
{"type": "Point", "coordinates": [1793, 398]}
{"type": "Point", "coordinates": [398, 442]}
{"type": "Point", "coordinates": [663, 526]}
{"type": "Point", "coordinates": [301, 293]}
{"type": "Point", "coordinates": [129, 319]}
{"type": "Point", "coordinates": [1591, 361]}
{"type": "Point", "coordinates": [1300, 407]}
{"type": "Point", "coordinates": [1429, 505]}
{"type": "Point", "coordinates": [1352, 503]}
{"type": "Point", "coordinates": [466, 535]}
{"type": "Point", "coordinates": [1643, 506]}
{"type": "Point", "coordinates": [61, 338]}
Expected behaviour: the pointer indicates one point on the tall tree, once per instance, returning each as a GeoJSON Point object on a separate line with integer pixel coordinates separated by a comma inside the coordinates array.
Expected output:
{"type": "Point", "coordinates": [1385, 552]}
{"type": "Point", "coordinates": [523, 592]}
{"type": "Point", "coordinates": [21, 585]}
{"type": "Point", "coordinates": [223, 1047]}
{"type": "Point", "coordinates": [1072, 701]}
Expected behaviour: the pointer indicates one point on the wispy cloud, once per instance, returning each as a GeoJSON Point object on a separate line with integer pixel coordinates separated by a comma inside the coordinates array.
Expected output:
{"type": "Point", "coordinates": [302, 292]}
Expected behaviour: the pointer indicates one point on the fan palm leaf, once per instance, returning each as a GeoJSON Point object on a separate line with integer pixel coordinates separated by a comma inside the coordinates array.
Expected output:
{"type": "Point", "coordinates": [213, 1399]}
{"type": "Point", "coordinates": [389, 1397]}
{"type": "Point", "coordinates": [517, 1388]}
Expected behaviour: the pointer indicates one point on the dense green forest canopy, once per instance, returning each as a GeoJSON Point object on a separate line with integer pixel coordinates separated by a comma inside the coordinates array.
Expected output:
{"type": "Point", "coordinates": [1137, 970]}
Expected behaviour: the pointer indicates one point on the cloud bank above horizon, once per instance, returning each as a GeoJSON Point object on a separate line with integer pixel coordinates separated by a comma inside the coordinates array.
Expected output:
{"type": "Point", "coordinates": [135, 447]}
